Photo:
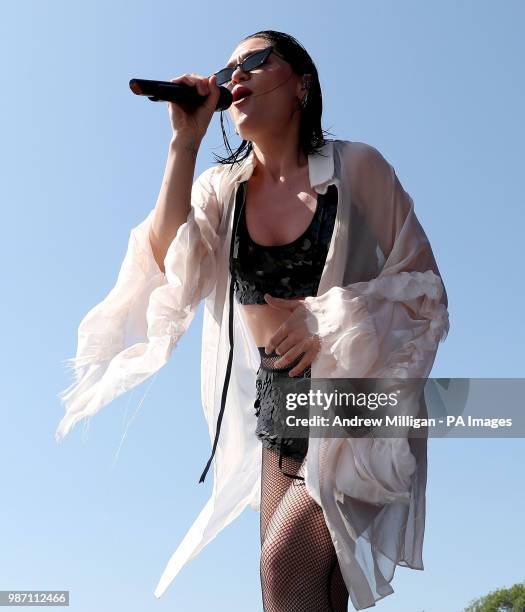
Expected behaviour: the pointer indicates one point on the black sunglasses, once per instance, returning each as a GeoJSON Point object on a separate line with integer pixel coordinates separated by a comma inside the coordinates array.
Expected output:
{"type": "Point", "coordinates": [248, 63]}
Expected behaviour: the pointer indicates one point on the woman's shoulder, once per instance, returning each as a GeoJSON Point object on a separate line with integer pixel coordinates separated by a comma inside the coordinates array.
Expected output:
{"type": "Point", "coordinates": [210, 181]}
{"type": "Point", "coordinates": [364, 164]}
{"type": "Point", "coordinates": [360, 154]}
{"type": "Point", "coordinates": [219, 176]}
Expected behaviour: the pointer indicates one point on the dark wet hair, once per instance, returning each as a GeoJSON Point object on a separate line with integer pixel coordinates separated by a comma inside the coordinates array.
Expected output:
{"type": "Point", "coordinates": [311, 134]}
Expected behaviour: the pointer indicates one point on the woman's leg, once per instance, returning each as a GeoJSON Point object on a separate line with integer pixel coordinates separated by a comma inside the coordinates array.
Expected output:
{"type": "Point", "coordinates": [274, 483]}
{"type": "Point", "coordinates": [299, 567]}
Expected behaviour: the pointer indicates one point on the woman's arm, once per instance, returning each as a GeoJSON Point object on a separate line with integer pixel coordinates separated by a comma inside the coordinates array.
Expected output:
{"type": "Point", "coordinates": [131, 333]}
{"type": "Point", "coordinates": [174, 200]}
{"type": "Point", "coordinates": [391, 324]}
{"type": "Point", "coordinates": [387, 327]}
{"type": "Point", "coordinates": [382, 200]}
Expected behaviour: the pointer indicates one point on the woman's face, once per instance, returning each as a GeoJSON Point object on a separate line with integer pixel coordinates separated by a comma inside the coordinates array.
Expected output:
{"type": "Point", "coordinates": [276, 91]}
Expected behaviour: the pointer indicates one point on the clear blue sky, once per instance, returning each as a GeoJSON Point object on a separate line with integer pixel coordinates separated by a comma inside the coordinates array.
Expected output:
{"type": "Point", "coordinates": [437, 87]}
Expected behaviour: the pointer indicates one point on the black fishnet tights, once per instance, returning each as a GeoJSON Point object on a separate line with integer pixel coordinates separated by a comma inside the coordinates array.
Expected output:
{"type": "Point", "coordinates": [299, 567]}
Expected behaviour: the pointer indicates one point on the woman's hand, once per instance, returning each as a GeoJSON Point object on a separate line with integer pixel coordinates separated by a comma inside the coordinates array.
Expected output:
{"type": "Point", "coordinates": [194, 122]}
{"type": "Point", "coordinates": [292, 338]}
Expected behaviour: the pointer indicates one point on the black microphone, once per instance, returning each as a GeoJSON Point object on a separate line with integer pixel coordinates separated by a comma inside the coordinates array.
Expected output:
{"type": "Point", "coordinates": [181, 93]}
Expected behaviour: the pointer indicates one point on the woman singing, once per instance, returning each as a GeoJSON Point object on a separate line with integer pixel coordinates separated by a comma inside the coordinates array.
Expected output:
{"type": "Point", "coordinates": [312, 264]}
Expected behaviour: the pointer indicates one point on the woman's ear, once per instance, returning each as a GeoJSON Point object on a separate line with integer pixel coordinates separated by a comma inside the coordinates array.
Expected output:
{"type": "Point", "coordinates": [307, 81]}
{"type": "Point", "coordinates": [303, 85]}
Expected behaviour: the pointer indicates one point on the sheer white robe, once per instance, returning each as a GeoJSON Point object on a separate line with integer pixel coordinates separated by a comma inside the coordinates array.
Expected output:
{"type": "Point", "coordinates": [380, 311]}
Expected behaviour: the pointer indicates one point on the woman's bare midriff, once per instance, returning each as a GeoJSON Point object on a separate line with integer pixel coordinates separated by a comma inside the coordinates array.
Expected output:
{"type": "Point", "coordinates": [263, 321]}
{"type": "Point", "coordinates": [275, 216]}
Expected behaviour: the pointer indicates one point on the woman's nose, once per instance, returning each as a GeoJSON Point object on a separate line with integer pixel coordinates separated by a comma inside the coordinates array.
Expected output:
{"type": "Point", "coordinates": [238, 72]}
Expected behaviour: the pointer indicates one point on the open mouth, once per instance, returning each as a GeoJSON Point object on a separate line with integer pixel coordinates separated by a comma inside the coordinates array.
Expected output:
{"type": "Point", "coordinates": [240, 93]}
{"type": "Point", "coordinates": [241, 100]}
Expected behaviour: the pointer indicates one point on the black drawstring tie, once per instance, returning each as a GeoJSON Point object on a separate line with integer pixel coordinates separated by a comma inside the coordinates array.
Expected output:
{"type": "Point", "coordinates": [224, 389]}
{"type": "Point", "coordinates": [239, 198]}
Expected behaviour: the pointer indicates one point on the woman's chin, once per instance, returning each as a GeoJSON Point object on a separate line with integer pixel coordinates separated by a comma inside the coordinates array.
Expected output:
{"type": "Point", "coordinates": [245, 134]}
{"type": "Point", "coordinates": [249, 132]}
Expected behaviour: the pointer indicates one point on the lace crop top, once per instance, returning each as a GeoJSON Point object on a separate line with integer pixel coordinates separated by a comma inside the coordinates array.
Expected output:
{"type": "Point", "coordinates": [286, 271]}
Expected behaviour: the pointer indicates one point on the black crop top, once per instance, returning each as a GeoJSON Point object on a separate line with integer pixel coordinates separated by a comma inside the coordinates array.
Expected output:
{"type": "Point", "coordinates": [286, 271]}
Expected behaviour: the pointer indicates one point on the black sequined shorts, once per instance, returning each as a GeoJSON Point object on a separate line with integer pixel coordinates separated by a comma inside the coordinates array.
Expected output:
{"type": "Point", "coordinates": [272, 384]}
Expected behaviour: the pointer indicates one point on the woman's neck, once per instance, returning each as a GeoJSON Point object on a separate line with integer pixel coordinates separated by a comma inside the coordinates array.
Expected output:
{"type": "Point", "coordinates": [278, 162]}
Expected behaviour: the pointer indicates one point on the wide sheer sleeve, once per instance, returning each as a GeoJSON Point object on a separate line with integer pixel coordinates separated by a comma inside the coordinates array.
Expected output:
{"type": "Point", "coordinates": [131, 333]}
{"type": "Point", "coordinates": [386, 324]}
